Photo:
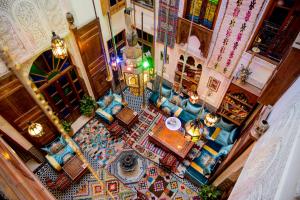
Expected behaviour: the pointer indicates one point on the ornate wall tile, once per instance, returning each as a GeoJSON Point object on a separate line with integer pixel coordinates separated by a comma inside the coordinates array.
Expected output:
{"type": "Point", "coordinates": [55, 16]}
{"type": "Point", "coordinates": [28, 18]}
{"type": "Point", "coordinates": [10, 38]}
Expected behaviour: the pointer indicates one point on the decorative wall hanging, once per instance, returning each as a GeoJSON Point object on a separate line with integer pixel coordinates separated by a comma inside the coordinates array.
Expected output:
{"type": "Point", "coordinates": [167, 24]}
{"type": "Point", "coordinates": [213, 84]}
{"type": "Point", "coordinates": [236, 28]}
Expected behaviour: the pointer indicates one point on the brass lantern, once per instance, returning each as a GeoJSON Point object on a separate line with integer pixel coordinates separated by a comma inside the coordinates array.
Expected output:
{"type": "Point", "coordinates": [35, 129]}
{"type": "Point", "coordinates": [211, 119]}
{"type": "Point", "coordinates": [58, 46]}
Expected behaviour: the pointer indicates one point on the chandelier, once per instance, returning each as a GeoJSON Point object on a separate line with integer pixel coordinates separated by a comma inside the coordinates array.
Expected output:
{"type": "Point", "coordinates": [35, 129]}
{"type": "Point", "coordinates": [58, 46]}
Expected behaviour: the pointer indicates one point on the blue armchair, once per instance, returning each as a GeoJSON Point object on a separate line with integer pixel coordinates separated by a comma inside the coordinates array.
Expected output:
{"type": "Point", "coordinates": [109, 106]}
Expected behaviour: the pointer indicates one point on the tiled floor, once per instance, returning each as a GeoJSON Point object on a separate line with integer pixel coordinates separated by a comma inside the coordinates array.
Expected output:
{"type": "Point", "coordinates": [134, 103]}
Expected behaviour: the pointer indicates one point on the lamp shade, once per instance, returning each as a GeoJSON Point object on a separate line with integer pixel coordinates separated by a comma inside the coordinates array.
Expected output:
{"type": "Point", "coordinates": [58, 46]}
{"type": "Point", "coordinates": [211, 119]}
{"type": "Point", "coordinates": [35, 129]}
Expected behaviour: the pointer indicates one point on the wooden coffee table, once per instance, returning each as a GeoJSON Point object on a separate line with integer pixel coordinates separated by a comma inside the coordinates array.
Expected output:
{"type": "Point", "coordinates": [74, 168]}
{"type": "Point", "coordinates": [170, 141]}
{"type": "Point", "coordinates": [127, 118]}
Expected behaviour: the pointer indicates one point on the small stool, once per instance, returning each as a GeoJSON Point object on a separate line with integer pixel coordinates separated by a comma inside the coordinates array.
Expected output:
{"type": "Point", "coordinates": [169, 161]}
{"type": "Point", "coordinates": [115, 129]}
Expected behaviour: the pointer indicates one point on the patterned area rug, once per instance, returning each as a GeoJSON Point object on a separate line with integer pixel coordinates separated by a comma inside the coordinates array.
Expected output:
{"type": "Point", "coordinates": [159, 184]}
{"type": "Point", "coordinates": [154, 153]}
{"type": "Point", "coordinates": [100, 150]}
{"type": "Point", "coordinates": [96, 142]}
{"type": "Point", "coordinates": [93, 189]}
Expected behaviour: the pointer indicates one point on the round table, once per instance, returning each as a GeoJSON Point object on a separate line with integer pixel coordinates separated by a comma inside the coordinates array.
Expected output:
{"type": "Point", "coordinates": [173, 123]}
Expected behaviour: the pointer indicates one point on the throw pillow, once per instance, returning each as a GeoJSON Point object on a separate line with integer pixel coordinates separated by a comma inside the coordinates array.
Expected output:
{"type": "Point", "coordinates": [175, 99]}
{"type": "Point", "coordinates": [107, 100]}
{"type": "Point", "coordinates": [193, 108]}
{"type": "Point", "coordinates": [166, 91]}
{"type": "Point", "coordinates": [225, 125]}
{"type": "Point", "coordinates": [57, 145]}
{"type": "Point", "coordinates": [116, 109]}
{"type": "Point", "coordinates": [167, 110]}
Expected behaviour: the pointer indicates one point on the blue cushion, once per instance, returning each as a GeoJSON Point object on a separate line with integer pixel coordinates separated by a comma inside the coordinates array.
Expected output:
{"type": "Point", "coordinates": [185, 116]}
{"type": "Point", "coordinates": [193, 108]}
{"type": "Point", "coordinates": [184, 103]}
{"type": "Point", "coordinates": [173, 108]}
{"type": "Point", "coordinates": [196, 177]}
{"type": "Point", "coordinates": [59, 157]}
{"type": "Point", "coordinates": [101, 101]}
{"type": "Point", "coordinates": [223, 138]}
{"type": "Point", "coordinates": [225, 150]}
{"type": "Point", "coordinates": [58, 141]}
{"type": "Point", "coordinates": [154, 97]}
{"type": "Point", "coordinates": [109, 108]}
{"type": "Point", "coordinates": [175, 98]}
{"type": "Point", "coordinates": [166, 91]}
{"type": "Point", "coordinates": [233, 136]}
{"type": "Point", "coordinates": [224, 125]}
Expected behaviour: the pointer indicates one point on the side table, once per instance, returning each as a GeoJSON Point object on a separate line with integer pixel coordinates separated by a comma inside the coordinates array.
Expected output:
{"type": "Point", "coordinates": [74, 168]}
{"type": "Point", "coordinates": [127, 118]}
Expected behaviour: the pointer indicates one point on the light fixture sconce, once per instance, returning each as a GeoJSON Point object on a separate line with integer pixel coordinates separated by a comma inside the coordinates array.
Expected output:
{"type": "Point", "coordinates": [58, 46]}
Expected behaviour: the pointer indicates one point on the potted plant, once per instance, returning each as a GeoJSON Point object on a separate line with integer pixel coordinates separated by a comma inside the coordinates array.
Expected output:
{"type": "Point", "coordinates": [87, 105]}
{"type": "Point", "coordinates": [67, 127]}
{"type": "Point", "coordinates": [209, 192]}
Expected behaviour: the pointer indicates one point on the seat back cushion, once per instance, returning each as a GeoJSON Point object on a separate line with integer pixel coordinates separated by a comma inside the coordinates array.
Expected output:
{"type": "Point", "coordinates": [226, 138]}
{"type": "Point", "coordinates": [166, 91]}
{"type": "Point", "coordinates": [225, 125]}
{"type": "Point", "coordinates": [175, 98]}
{"type": "Point", "coordinates": [55, 146]}
{"type": "Point", "coordinates": [193, 108]}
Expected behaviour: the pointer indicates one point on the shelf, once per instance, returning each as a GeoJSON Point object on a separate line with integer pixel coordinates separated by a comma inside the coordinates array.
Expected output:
{"type": "Point", "coordinates": [234, 105]}
{"type": "Point", "coordinates": [242, 102]}
{"type": "Point", "coordinates": [187, 78]}
{"type": "Point", "coordinates": [248, 87]}
{"type": "Point", "coordinates": [229, 118]}
{"type": "Point", "coordinates": [234, 113]}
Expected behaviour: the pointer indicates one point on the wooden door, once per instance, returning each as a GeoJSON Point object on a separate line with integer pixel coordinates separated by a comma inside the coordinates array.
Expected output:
{"type": "Point", "coordinates": [90, 43]}
{"type": "Point", "coordinates": [19, 108]}
{"type": "Point", "coordinates": [58, 81]}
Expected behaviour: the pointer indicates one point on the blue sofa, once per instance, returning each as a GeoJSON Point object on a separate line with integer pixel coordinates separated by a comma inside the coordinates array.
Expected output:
{"type": "Point", "coordinates": [58, 153]}
{"type": "Point", "coordinates": [220, 140]}
{"type": "Point", "coordinates": [109, 106]}
{"type": "Point", "coordinates": [173, 104]}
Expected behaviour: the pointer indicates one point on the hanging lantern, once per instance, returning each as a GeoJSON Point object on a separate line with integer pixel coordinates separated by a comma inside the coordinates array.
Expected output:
{"type": "Point", "coordinates": [58, 46]}
{"type": "Point", "coordinates": [211, 119]}
{"type": "Point", "coordinates": [35, 129]}
{"type": "Point", "coordinates": [194, 129]}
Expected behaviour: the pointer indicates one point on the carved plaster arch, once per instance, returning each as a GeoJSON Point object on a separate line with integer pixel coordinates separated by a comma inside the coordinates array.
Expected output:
{"type": "Point", "coordinates": [27, 16]}
{"type": "Point", "coordinates": [10, 36]}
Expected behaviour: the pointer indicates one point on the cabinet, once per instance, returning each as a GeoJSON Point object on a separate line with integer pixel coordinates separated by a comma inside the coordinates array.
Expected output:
{"type": "Point", "coordinates": [191, 74]}
{"type": "Point", "coordinates": [238, 102]}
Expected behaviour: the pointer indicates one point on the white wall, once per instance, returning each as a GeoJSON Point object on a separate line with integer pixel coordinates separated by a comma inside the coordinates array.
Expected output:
{"type": "Point", "coordinates": [272, 170]}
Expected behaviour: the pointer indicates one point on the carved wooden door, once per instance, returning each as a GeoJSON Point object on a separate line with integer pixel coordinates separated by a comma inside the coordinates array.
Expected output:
{"type": "Point", "coordinates": [90, 43]}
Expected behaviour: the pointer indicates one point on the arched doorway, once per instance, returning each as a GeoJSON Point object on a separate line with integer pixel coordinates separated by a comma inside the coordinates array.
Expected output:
{"type": "Point", "coordinates": [59, 82]}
